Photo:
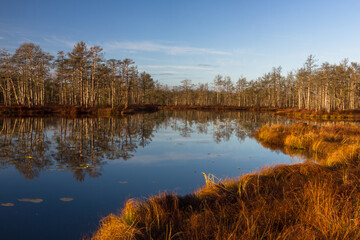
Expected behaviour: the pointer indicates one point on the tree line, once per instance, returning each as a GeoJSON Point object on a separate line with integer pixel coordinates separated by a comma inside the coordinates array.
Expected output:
{"type": "Point", "coordinates": [31, 77]}
{"type": "Point", "coordinates": [327, 87]}
{"type": "Point", "coordinates": [84, 77]}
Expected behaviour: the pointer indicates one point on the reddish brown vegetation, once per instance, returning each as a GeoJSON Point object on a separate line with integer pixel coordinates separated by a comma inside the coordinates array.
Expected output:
{"type": "Point", "coordinates": [78, 111]}
{"type": "Point", "coordinates": [217, 108]}
{"type": "Point", "coordinates": [72, 111]}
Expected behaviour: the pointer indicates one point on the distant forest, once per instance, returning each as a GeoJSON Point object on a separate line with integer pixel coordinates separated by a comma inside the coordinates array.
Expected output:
{"type": "Point", "coordinates": [32, 77]}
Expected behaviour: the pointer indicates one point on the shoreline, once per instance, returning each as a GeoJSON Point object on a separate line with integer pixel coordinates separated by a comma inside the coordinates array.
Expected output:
{"type": "Point", "coordinates": [304, 200]}
{"type": "Point", "coordinates": [56, 110]}
{"type": "Point", "coordinates": [106, 111]}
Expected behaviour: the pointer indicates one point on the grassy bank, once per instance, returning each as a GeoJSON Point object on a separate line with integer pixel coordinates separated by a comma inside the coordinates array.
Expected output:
{"type": "Point", "coordinates": [299, 201]}
{"type": "Point", "coordinates": [351, 114]}
{"type": "Point", "coordinates": [328, 145]}
{"type": "Point", "coordinates": [72, 110]}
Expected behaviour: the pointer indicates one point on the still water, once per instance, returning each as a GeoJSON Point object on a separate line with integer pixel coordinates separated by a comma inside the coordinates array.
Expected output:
{"type": "Point", "coordinates": [59, 177]}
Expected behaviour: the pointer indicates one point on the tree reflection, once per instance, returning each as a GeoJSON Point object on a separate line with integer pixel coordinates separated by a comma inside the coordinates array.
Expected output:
{"type": "Point", "coordinates": [82, 146]}
{"type": "Point", "coordinates": [25, 145]}
{"type": "Point", "coordinates": [222, 125]}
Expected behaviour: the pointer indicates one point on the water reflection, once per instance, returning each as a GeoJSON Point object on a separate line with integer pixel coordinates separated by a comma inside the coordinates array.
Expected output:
{"type": "Point", "coordinates": [83, 146]}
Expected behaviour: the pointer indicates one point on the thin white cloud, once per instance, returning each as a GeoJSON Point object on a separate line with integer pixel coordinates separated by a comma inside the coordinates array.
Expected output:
{"type": "Point", "coordinates": [56, 41]}
{"type": "Point", "coordinates": [155, 47]}
{"type": "Point", "coordinates": [182, 67]}
{"type": "Point", "coordinates": [1, 37]}
{"type": "Point", "coordinates": [206, 65]}
{"type": "Point", "coordinates": [165, 73]}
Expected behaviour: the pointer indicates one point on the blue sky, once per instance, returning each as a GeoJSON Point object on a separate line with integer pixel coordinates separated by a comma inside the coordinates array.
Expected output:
{"type": "Point", "coordinates": [176, 40]}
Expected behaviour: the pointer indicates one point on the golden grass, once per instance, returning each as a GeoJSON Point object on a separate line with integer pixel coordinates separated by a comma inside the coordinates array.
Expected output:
{"type": "Point", "coordinates": [300, 201]}
{"type": "Point", "coordinates": [327, 144]}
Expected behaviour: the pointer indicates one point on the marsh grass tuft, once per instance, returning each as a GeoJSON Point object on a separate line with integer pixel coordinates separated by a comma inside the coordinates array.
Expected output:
{"type": "Point", "coordinates": [328, 145]}
{"type": "Point", "coordinates": [303, 201]}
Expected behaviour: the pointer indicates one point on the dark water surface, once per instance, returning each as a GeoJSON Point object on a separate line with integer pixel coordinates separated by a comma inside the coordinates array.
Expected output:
{"type": "Point", "coordinates": [59, 177]}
